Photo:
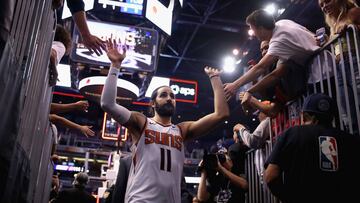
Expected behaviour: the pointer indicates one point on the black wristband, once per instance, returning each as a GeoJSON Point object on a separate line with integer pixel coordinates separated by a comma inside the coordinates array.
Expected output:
{"type": "Point", "coordinates": [216, 75]}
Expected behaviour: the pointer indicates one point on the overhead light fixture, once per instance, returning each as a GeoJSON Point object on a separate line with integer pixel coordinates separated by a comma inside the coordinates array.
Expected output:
{"type": "Point", "coordinates": [229, 64]}
{"type": "Point", "coordinates": [270, 9]}
{"type": "Point", "coordinates": [235, 52]}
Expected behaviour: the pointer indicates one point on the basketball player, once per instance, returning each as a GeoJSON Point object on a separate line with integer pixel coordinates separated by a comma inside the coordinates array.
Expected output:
{"type": "Point", "coordinates": [158, 145]}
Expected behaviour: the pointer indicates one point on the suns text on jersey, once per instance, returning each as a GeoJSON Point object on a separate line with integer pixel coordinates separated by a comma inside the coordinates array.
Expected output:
{"type": "Point", "coordinates": [166, 139]}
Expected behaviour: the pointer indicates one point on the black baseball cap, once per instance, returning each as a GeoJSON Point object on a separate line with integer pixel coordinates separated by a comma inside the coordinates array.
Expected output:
{"type": "Point", "coordinates": [320, 104]}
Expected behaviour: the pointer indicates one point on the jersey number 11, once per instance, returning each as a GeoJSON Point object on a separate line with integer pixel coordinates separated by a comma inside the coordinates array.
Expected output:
{"type": "Point", "coordinates": [163, 157]}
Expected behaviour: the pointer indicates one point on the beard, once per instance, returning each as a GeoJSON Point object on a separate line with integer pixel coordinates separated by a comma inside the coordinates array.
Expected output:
{"type": "Point", "coordinates": [166, 110]}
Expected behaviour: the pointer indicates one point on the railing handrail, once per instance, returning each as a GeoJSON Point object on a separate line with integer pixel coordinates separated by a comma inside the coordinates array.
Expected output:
{"type": "Point", "coordinates": [331, 41]}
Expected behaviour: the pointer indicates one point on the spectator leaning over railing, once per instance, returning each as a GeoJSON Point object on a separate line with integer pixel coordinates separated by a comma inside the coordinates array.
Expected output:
{"type": "Point", "coordinates": [92, 42]}
{"type": "Point", "coordinates": [338, 15]}
{"type": "Point", "coordinates": [255, 140]}
{"type": "Point", "coordinates": [274, 91]}
{"type": "Point", "coordinates": [270, 93]}
{"type": "Point", "coordinates": [60, 46]}
{"type": "Point", "coordinates": [315, 162]}
{"type": "Point", "coordinates": [289, 42]}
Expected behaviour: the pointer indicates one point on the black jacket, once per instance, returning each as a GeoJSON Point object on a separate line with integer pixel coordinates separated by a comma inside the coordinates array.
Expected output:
{"type": "Point", "coordinates": [74, 195]}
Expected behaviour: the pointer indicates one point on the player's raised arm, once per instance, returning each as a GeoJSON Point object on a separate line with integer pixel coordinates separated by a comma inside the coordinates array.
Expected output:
{"type": "Point", "coordinates": [193, 129]}
{"type": "Point", "coordinates": [134, 121]}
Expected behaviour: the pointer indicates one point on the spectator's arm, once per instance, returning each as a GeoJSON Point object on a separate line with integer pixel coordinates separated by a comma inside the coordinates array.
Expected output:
{"type": "Point", "coordinates": [93, 43]}
{"type": "Point", "coordinates": [53, 57]}
{"type": "Point", "coordinates": [58, 120]}
{"type": "Point", "coordinates": [269, 80]}
{"type": "Point", "coordinates": [270, 110]}
{"type": "Point", "coordinates": [235, 179]}
{"type": "Point", "coordinates": [53, 74]}
{"type": "Point", "coordinates": [258, 138]}
{"type": "Point", "coordinates": [273, 179]}
{"type": "Point", "coordinates": [277, 160]}
{"type": "Point", "coordinates": [252, 74]}
{"type": "Point", "coordinates": [202, 194]}
{"type": "Point", "coordinates": [63, 108]}
{"type": "Point", "coordinates": [75, 5]}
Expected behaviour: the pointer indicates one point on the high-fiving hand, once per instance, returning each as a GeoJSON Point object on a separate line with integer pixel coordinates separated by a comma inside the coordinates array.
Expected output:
{"type": "Point", "coordinates": [113, 53]}
{"type": "Point", "coordinates": [245, 98]}
{"type": "Point", "coordinates": [94, 44]}
{"type": "Point", "coordinates": [230, 90]}
{"type": "Point", "coordinates": [212, 72]}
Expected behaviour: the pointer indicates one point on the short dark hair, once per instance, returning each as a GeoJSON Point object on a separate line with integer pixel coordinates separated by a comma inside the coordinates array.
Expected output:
{"type": "Point", "coordinates": [81, 180]}
{"type": "Point", "coordinates": [323, 120]}
{"type": "Point", "coordinates": [259, 18]}
{"type": "Point", "coordinates": [155, 92]}
{"type": "Point", "coordinates": [63, 36]}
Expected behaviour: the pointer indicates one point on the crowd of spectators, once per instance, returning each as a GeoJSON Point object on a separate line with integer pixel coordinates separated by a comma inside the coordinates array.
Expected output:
{"type": "Point", "coordinates": [307, 161]}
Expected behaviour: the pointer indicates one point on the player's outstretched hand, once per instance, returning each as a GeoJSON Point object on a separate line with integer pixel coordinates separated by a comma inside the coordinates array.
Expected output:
{"type": "Point", "coordinates": [116, 57]}
{"type": "Point", "coordinates": [212, 72]}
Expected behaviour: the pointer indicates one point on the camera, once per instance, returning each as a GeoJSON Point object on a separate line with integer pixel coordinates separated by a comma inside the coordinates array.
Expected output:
{"type": "Point", "coordinates": [210, 162]}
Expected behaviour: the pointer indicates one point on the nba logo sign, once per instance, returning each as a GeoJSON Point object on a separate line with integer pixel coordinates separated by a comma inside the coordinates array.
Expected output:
{"type": "Point", "coordinates": [328, 152]}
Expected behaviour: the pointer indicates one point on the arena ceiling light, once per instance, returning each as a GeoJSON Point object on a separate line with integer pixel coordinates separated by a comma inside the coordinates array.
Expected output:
{"type": "Point", "coordinates": [235, 52]}
{"type": "Point", "coordinates": [271, 9]}
{"type": "Point", "coordinates": [229, 64]}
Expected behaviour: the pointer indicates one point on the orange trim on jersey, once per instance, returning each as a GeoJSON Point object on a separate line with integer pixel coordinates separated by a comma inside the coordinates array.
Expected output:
{"type": "Point", "coordinates": [160, 123]}
{"type": "Point", "coordinates": [142, 131]}
{"type": "Point", "coordinates": [181, 132]}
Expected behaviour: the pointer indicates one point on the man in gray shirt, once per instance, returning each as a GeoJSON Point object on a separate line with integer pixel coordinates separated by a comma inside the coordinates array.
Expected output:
{"type": "Point", "coordinates": [255, 140]}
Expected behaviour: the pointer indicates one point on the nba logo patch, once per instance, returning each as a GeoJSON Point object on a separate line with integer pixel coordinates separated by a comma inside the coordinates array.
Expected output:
{"type": "Point", "coordinates": [328, 153]}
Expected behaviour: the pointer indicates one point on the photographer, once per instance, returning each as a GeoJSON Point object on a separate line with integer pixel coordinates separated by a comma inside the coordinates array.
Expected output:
{"type": "Point", "coordinates": [222, 180]}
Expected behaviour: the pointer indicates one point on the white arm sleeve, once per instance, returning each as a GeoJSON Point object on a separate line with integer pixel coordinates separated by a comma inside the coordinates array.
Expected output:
{"type": "Point", "coordinates": [108, 98]}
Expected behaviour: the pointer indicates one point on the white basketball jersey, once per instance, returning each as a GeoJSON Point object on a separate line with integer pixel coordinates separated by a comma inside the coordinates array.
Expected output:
{"type": "Point", "coordinates": [156, 170]}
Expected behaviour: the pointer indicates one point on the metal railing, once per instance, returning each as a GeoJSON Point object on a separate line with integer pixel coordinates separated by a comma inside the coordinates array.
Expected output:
{"type": "Point", "coordinates": [25, 96]}
{"type": "Point", "coordinates": [340, 79]}
{"type": "Point", "coordinates": [334, 70]}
